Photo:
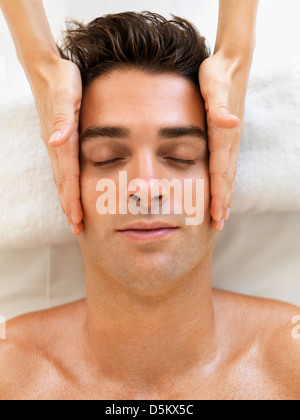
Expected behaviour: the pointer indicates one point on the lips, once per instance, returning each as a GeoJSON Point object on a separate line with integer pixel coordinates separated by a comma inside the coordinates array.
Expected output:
{"type": "Point", "coordinates": [142, 226]}
{"type": "Point", "coordinates": [145, 232]}
{"type": "Point", "coordinates": [146, 235]}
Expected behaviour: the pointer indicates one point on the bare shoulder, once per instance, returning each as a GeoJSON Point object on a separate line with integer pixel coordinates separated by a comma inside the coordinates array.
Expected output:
{"type": "Point", "coordinates": [274, 327]}
{"type": "Point", "coordinates": [31, 351]}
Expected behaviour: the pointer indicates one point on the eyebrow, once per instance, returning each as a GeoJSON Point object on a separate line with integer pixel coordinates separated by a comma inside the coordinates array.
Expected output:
{"type": "Point", "coordinates": [119, 132]}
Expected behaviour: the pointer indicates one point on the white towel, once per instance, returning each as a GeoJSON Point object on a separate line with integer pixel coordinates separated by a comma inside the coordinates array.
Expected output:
{"type": "Point", "coordinates": [268, 176]}
{"type": "Point", "coordinates": [268, 172]}
{"type": "Point", "coordinates": [30, 210]}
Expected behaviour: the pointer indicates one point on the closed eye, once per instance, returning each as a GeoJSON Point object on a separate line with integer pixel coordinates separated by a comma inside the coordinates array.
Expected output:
{"type": "Point", "coordinates": [107, 162]}
{"type": "Point", "coordinates": [183, 161]}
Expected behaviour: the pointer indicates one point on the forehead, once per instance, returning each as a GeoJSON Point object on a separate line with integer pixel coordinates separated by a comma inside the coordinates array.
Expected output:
{"type": "Point", "coordinates": [134, 98]}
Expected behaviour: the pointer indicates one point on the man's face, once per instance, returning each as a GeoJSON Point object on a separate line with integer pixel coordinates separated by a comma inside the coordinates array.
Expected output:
{"type": "Point", "coordinates": [144, 104]}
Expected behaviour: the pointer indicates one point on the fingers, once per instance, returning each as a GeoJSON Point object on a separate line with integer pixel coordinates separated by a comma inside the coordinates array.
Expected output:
{"type": "Point", "coordinates": [61, 131]}
{"type": "Point", "coordinates": [58, 102]}
{"type": "Point", "coordinates": [224, 91]}
{"type": "Point", "coordinates": [57, 178]}
{"type": "Point", "coordinates": [232, 170]}
{"type": "Point", "coordinates": [77, 229]}
{"type": "Point", "coordinates": [223, 118]}
{"type": "Point", "coordinates": [220, 210]}
{"type": "Point", "coordinates": [224, 147]}
{"type": "Point", "coordinates": [66, 174]}
{"type": "Point", "coordinates": [69, 168]}
{"type": "Point", "coordinates": [65, 141]}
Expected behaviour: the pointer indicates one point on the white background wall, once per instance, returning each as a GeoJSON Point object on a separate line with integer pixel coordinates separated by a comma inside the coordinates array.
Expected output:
{"type": "Point", "coordinates": [278, 31]}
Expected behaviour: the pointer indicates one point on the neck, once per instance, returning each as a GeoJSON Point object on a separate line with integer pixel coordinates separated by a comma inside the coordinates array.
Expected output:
{"type": "Point", "coordinates": [150, 340]}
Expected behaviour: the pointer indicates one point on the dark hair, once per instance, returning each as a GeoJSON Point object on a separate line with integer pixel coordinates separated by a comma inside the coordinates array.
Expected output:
{"type": "Point", "coordinates": [145, 40]}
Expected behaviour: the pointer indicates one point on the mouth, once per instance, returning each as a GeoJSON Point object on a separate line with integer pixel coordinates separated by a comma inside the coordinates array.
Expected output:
{"type": "Point", "coordinates": [147, 234]}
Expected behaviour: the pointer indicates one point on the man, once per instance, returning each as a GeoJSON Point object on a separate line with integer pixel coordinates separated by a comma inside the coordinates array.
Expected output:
{"type": "Point", "coordinates": [151, 326]}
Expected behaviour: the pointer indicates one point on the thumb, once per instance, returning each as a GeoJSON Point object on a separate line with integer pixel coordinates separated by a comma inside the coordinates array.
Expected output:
{"type": "Point", "coordinates": [62, 129]}
{"type": "Point", "coordinates": [222, 116]}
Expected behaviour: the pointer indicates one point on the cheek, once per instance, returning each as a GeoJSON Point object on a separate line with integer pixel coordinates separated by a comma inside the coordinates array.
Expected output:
{"type": "Point", "coordinates": [207, 196]}
{"type": "Point", "coordinates": [89, 195]}
{"type": "Point", "coordinates": [201, 193]}
{"type": "Point", "coordinates": [203, 175]}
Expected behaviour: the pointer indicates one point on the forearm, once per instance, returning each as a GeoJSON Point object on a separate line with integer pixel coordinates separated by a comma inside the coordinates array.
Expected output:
{"type": "Point", "coordinates": [31, 32]}
{"type": "Point", "coordinates": [236, 35]}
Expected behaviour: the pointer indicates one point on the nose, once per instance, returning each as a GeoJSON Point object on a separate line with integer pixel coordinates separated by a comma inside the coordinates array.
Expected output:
{"type": "Point", "coordinates": [145, 198]}
{"type": "Point", "coordinates": [146, 175]}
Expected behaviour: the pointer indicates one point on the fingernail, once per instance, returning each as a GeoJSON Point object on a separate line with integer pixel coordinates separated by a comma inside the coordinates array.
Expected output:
{"type": "Point", "coordinates": [75, 230]}
{"type": "Point", "coordinates": [227, 214]}
{"type": "Point", "coordinates": [55, 136]}
{"type": "Point", "coordinates": [221, 224]}
{"type": "Point", "coordinates": [221, 216]}
{"type": "Point", "coordinates": [73, 218]}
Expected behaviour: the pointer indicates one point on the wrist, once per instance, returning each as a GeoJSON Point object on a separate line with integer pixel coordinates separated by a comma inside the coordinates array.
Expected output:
{"type": "Point", "coordinates": [237, 61]}
{"type": "Point", "coordinates": [238, 52]}
{"type": "Point", "coordinates": [40, 64]}
{"type": "Point", "coordinates": [235, 70]}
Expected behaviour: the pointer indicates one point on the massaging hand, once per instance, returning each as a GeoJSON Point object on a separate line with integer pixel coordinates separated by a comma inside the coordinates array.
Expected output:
{"type": "Point", "coordinates": [58, 97]}
{"type": "Point", "coordinates": [223, 87]}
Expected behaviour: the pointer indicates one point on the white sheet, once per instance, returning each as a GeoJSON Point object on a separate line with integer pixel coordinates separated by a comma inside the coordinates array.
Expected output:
{"type": "Point", "coordinates": [259, 254]}
{"type": "Point", "coordinates": [39, 278]}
